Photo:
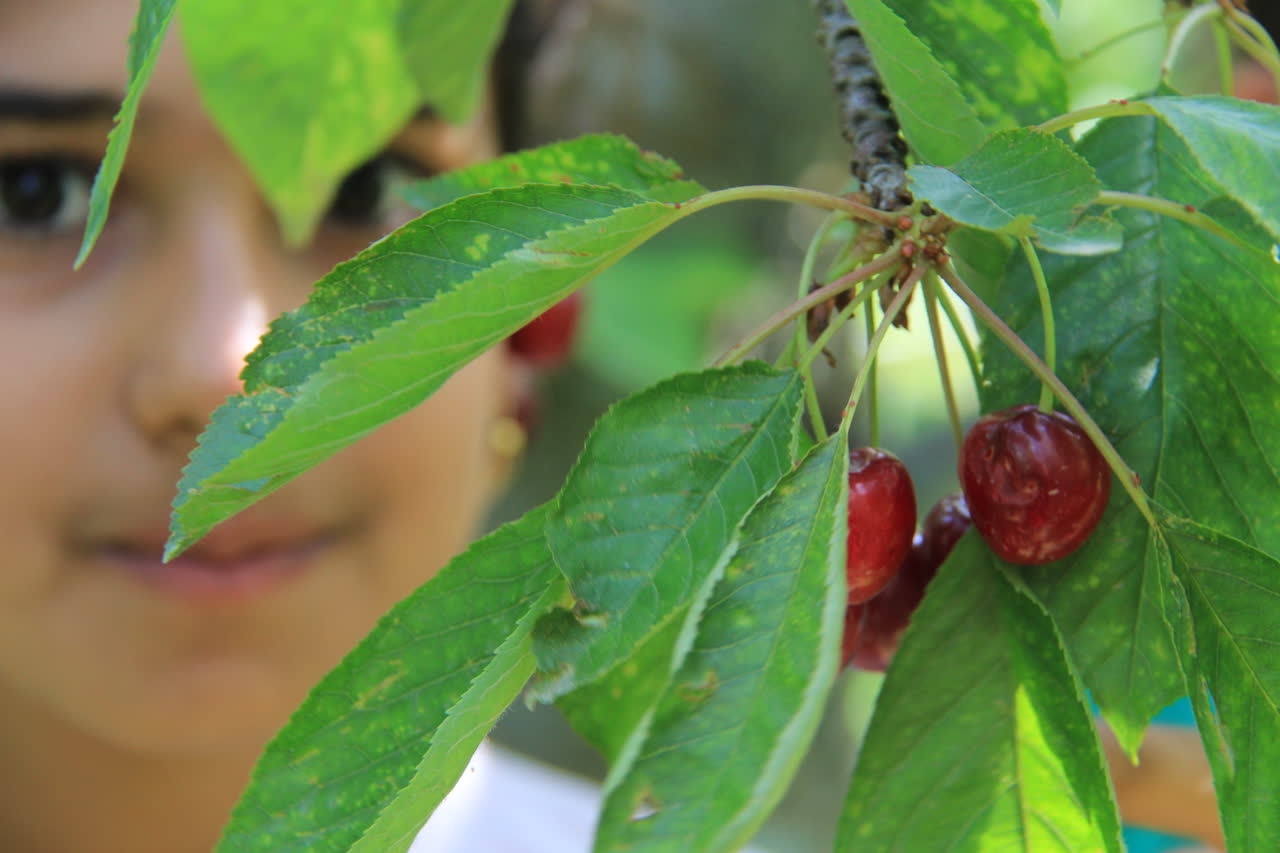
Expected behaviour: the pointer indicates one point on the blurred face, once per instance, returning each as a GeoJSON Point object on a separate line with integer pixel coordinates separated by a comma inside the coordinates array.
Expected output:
{"type": "Point", "coordinates": [108, 375]}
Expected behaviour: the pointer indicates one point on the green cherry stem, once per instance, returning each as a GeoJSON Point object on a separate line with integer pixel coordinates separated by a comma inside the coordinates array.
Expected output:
{"type": "Point", "coordinates": [785, 315]}
{"type": "Point", "coordinates": [940, 355]}
{"type": "Point", "coordinates": [873, 380]}
{"type": "Point", "coordinates": [962, 335]}
{"type": "Point", "coordinates": [1226, 63]}
{"type": "Point", "coordinates": [1184, 29]}
{"type": "Point", "coordinates": [816, 420]}
{"type": "Point", "coordinates": [1113, 109]}
{"type": "Point", "coordinates": [1173, 210]}
{"type": "Point", "coordinates": [1252, 44]}
{"type": "Point", "coordinates": [1128, 479]}
{"type": "Point", "coordinates": [837, 321]}
{"type": "Point", "coordinates": [1046, 316]}
{"type": "Point", "coordinates": [873, 346]}
{"type": "Point", "coordinates": [795, 195]}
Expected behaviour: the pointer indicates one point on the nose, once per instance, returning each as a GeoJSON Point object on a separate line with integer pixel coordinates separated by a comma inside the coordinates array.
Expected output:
{"type": "Point", "coordinates": [208, 288]}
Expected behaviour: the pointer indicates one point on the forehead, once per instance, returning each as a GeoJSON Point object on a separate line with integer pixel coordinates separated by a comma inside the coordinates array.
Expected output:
{"type": "Point", "coordinates": [81, 46]}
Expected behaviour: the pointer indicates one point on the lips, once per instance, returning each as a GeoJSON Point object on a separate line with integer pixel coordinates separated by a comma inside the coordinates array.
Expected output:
{"type": "Point", "coordinates": [242, 559]}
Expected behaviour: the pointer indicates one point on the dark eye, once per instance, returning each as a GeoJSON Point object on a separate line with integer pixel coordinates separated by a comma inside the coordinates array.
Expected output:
{"type": "Point", "coordinates": [43, 194]}
{"type": "Point", "coordinates": [369, 195]}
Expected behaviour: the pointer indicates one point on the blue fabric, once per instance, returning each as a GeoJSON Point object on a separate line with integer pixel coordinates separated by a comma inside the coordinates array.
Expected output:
{"type": "Point", "coordinates": [1144, 840]}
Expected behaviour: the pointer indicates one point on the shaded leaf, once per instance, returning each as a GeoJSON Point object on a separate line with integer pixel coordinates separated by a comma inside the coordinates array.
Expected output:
{"type": "Point", "coordinates": [1171, 344]}
{"type": "Point", "coordinates": [1233, 591]}
{"type": "Point", "coordinates": [384, 330]}
{"type": "Point", "coordinates": [600, 159]}
{"type": "Point", "coordinates": [448, 47]}
{"type": "Point", "coordinates": [735, 721]}
{"type": "Point", "coordinates": [939, 124]}
{"type": "Point", "coordinates": [649, 513]}
{"type": "Point", "coordinates": [998, 51]}
{"type": "Point", "coordinates": [1024, 183]}
{"type": "Point", "coordinates": [385, 735]}
{"type": "Point", "coordinates": [981, 738]}
{"type": "Point", "coordinates": [148, 33]}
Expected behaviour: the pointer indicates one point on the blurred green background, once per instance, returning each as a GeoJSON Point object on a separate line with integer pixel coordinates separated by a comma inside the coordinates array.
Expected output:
{"type": "Point", "coordinates": [737, 92]}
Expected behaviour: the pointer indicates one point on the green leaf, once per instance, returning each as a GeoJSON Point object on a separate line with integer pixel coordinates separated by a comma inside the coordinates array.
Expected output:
{"type": "Point", "coordinates": [734, 723]}
{"type": "Point", "coordinates": [608, 711]}
{"type": "Point", "coordinates": [1024, 183]}
{"type": "Point", "coordinates": [1236, 143]}
{"type": "Point", "coordinates": [1171, 344]}
{"type": "Point", "coordinates": [981, 738]}
{"type": "Point", "coordinates": [384, 330]}
{"type": "Point", "coordinates": [149, 29]}
{"type": "Point", "coordinates": [448, 47]}
{"type": "Point", "coordinates": [1234, 595]}
{"type": "Point", "coordinates": [649, 514]}
{"type": "Point", "coordinates": [937, 121]}
{"type": "Point", "coordinates": [306, 94]}
{"type": "Point", "coordinates": [599, 159]}
{"type": "Point", "coordinates": [385, 735]}
{"type": "Point", "coordinates": [1000, 53]}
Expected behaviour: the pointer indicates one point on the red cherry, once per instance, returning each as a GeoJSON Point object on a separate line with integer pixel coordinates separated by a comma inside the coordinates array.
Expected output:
{"type": "Point", "coordinates": [1035, 484]}
{"type": "Point", "coordinates": [545, 341]}
{"type": "Point", "coordinates": [889, 613]}
{"type": "Point", "coordinates": [946, 522]}
{"type": "Point", "coordinates": [882, 519]}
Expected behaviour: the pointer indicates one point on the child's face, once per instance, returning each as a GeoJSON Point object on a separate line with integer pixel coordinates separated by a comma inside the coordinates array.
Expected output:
{"type": "Point", "coordinates": [108, 374]}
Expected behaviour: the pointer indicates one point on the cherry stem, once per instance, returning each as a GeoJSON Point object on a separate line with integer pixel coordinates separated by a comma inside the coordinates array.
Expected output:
{"type": "Point", "coordinates": [873, 380]}
{"type": "Point", "coordinates": [1173, 210]}
{"type": "Point", "coordinates": [834, 325]}
{"type": "Point", "coordinates": [1184, 29]}
{"type": "Point", "coordinates": [795, 309]}
{"type": "Point", "coordinates": [1046, 315]}
{"type": "Point", "coordinates": [940, 355]}
{"type": "Point", "coordinates": [795, 195]}
{"type": "Point", "coordinates": [1114, 109]}
{"type": "Point", "coordinates": [873, 345]}
{"type": "Point", "coordinates": [1111, 41]}
{"type": "Point", "coordinates": [1226, 71]}
{"type": "Point", "coordinates": [816, 421]}
{"type": "Point", "coordinates": [1253, 39]}
{"type": "Point", "coordinates": [797, 343]}
{"type": "Point", "coordinates": [1128, 479]}
{"type": "Point", "coordinates": [962, 334]}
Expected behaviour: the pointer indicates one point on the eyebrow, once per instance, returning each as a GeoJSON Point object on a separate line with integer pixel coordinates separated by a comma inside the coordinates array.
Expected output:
{"type": "Point", "coordinates": [56, 106]}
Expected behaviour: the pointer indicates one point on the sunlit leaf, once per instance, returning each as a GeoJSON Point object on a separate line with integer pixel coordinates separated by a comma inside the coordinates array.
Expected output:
{"type": "Point", "coordinates": [1000, 53]}
{"type": "Point", "coordinates": [735, 721]}
{"type": "Point", "coordinates": [385, 735]}
{"type": "Point", "coordinates": [981, 738]}
{"type": "Point", "coordinates": [306, 93]}
{"type": "Point", "coordinates": [649, 513]}
{"type": "Point", "coordinates": [448, 47]}
{"type": "Point", "coordinates": [937, 121]}
{"type": "Point", "coordinates": [600, 159]}
{"type": "Point", "coordinates": [144, 47]}
{"type": "Point", "coordinates": [384, 330]}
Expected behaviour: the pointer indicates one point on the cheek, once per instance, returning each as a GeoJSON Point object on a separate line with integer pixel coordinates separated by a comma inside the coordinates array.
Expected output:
{"type": "Point", "coordinates": [434, 475]}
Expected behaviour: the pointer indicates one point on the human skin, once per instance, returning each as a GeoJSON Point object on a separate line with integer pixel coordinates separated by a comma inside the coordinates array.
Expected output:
{"type": "Point", "coordinates": [133, 702]}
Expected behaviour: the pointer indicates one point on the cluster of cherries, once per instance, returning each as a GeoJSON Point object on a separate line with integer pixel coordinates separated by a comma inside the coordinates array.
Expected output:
{"type": "Point", "coordinates": [1033, 484]}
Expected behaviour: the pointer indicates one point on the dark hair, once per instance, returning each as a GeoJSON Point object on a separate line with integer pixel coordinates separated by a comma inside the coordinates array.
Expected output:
{"type": "Point", "coordinates": [527, 27]}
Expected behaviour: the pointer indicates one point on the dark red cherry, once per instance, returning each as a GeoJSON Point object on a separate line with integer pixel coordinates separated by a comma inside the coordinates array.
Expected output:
{"type": "Point", "coordinates": [546, 340]}
{"type": "Point", "coordinates": [1035, 484]}
{"type": "Point", "coordinates": [882, 520]}
{"type": "Point", "coordinates": [889, 613]}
